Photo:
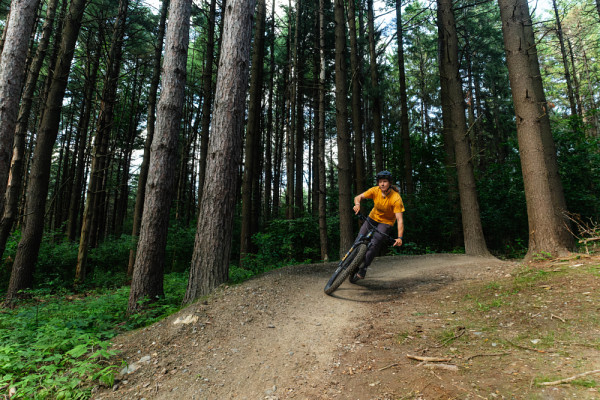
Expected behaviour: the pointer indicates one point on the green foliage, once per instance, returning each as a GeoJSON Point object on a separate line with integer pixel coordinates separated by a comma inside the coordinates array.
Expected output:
{"type": "Point", "coordinates": [579, 163]}
{"type": "Point", "coordinates": [56, 346]}
{"type": "Point", "coordinates": [541, 256]}
{"type": "Point", "coordinates": [180, 247]}
{"type": "Point", "coordinates": [285, 242]}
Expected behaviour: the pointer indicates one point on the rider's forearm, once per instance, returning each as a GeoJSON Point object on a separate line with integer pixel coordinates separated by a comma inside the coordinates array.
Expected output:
{"type": "Point", "coordinates": [400, 221]}
{"type": "Point", "coordinates": [357, 200]}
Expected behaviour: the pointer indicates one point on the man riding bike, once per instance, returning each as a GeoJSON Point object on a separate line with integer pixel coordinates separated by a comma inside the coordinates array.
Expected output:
{"type": "Point", "coordinates": [388, 209]}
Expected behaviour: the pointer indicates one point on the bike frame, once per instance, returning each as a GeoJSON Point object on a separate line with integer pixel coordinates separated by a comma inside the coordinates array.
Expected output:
{"type": "Point", "coordinates": [364, 238]}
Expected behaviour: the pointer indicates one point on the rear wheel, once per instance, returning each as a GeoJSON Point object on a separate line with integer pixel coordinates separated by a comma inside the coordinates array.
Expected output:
{"type": "Point", "coordinates": [347, 268]}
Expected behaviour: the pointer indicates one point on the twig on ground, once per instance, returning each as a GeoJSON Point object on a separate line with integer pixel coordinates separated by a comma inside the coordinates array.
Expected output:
{"type": "Point", "coordinates": [428, 359]}
{"type": "Point", "coordinates": [557, 317]}
{"type": "Point", "coordinates": [486, 355]}
{"type": "Point", "coordinates": [387, 367]}
{"type": "Point", "coordinates": [591, 346]}
{"type": "Point", "coordinates": [572, 378]}
{"type": "Point", "coordinates": [528, 348]}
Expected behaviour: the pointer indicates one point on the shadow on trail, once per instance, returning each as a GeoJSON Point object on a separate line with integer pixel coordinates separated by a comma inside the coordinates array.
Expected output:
{"type": "Point", "coordinates": [377, 290]}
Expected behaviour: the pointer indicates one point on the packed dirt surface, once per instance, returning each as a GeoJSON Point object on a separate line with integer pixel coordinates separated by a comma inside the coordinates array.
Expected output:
{"type": "Point", "coordinates": [418, 327]}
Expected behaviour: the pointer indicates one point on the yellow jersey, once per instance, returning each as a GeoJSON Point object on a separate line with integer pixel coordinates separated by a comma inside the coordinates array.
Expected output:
{"type": "Point", "coordinates": [386, 207]}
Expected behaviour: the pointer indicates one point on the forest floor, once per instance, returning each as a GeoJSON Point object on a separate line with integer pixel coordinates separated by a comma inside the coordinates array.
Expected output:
{"type": "Point", "coordinates": [498, 329]}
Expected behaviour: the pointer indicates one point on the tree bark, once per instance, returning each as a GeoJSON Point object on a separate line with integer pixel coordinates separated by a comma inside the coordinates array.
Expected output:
{"type": "Point", "coordinates": [207, 90]}
{"type": "Point", "coordinates": [37, 190]}
{"type": "Point", "coordinates": [343, 140]}
{"type": "Point", "coordinates": [357, 120]}
{"type": "Point", "coordinates": [563, 52]}
{"type": "Point", "coordinates": [269, 134]}
{"type": "Point", "coordinates": [299, 138]}
{"type": "Point", "coordinates": [13, 58]}
{"type": "Point", "coordinates": [278, 156]}
{"type": "Point", "coordinates": [321, 149]}
{"type": "Point", "coordinates": [253, 132]}
{"type": "Point", "coordinates": [547, 231]}
{"type": "Point", "coordinates": [15, 180]}
{"type": "Point", "coordinates": [100, 152]}
{"type": "Point", "coordinates": [455, 125]}
{"type": "Point", "coordinates": [150, 125]}
{"type": "Point", "coordinates": [376, 96]}
{"type": "Point", "coordinates": [148, 269]}
{"type": "Point", "coordinates": [82, 134]}
{"type": "Point", "coordinates": [290, 125]}
{"type": "Point", "coordinates": [210, 261]}
{"type": "Point", "coordinates": [404, 128]}
{"type": "Point", "coordinates": [576, 90]}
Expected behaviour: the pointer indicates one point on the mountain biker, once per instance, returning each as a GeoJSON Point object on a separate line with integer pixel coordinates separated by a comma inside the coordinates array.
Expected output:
{"type": "Point", "coordinates": [387, 210]}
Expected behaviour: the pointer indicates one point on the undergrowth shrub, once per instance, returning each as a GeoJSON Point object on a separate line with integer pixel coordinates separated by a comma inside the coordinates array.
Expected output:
{"type": "Point", "coordinates": [284, 242]}
{"type": "Point", "coordinates": [55, 346]}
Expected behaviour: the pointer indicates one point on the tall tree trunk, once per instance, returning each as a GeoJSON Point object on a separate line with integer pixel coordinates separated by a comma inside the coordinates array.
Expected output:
{"type": "Point", "coordinates": [316, 64]}
{"type": "Point", "coordinates": [123, 189]}
{"type": "Point", "coordinates": [563, 52]}
{"type": "Point", "coordinates": [152, 95]}
{"type": "Point", "coordinates": [594, 122]}
{"type": "Point", "coordinates": [3, 37]}
{"type": "Point", "coordinates": [546, 227]}
{"type": "Point", "coordinates": [576, 90]}
{"type": "Point", "coordinates": [404, 128]}
{"type": "Point", "coordinates": [210, 261]}
{"type": "Point", "coordinates": [341, 118]}
{"type": "Point", "coordinates": [290, 125]}
{"type": "Point", "coordinates": [376, 96]}
{"type": "Point", "coordinates": [100, 153]}
{"type": "Point", "coordinates": [207, 90]}
{"type": "Point", "coordinates": [14, 54]}
{"type": "Point", "coordinates": [299, 145]}
{"type": "Point", "coordinates": [357, 120]}
{"type": "Point", "coordinates": [269, 134]}
{"type": "Point", "coordinates": [278, 157]}
{"type": "Point", "coordinates": [253, 131]}
{"type": "Point", "coordinates": [148, 270]}
{"type": "Point", "coordinates": [15, 181]}
{"type": "Point", "coordinates": [321, 149]}
{"type": "Point", "coordinates": [82, 134]}
{"type": "Point", "coordinates": [37, 189]}
{"type": "Point", "coordinates": [455, 124]}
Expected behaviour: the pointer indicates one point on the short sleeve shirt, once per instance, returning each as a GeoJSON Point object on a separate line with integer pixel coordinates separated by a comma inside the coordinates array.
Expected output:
{"type": "Point", "coordinates": [385, 208]}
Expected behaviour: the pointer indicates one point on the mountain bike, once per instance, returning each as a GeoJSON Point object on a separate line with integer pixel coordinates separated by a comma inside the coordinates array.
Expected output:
{"type": "Point", "coordinates": [352, 260]}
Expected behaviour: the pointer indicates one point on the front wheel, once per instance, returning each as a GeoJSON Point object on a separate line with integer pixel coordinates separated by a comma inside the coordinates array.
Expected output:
{"type": "Point", "coordinates": [346, 268]}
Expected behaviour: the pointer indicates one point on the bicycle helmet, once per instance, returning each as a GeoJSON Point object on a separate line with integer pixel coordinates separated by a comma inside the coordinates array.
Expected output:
{"type": "Point", "coordinates": [384, 175]}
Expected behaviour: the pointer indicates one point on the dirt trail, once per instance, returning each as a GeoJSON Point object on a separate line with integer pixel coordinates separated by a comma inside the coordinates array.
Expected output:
{"type": "Point", "coordinates": [277, 336]}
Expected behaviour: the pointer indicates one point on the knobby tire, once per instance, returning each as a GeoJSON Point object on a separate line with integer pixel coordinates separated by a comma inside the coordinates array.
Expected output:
{"type": "Point", "coordinates": [348, 267]}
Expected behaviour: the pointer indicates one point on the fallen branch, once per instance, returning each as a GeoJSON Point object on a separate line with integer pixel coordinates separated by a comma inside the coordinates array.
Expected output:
{"type": "Point", "coordinates": [572, 378]}
{"type": "Point", "coordinates": [447, 367]}
{"type": "Point", "coordinates": [428, 359]}
{"type": "Point", "coordinates": [486, 355]}
{"type": "Point", "coordinates": [593, 239]}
